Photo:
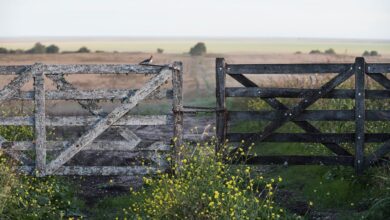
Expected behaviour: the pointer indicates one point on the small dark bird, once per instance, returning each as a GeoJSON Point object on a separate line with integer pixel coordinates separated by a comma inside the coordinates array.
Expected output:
{"type": "Point", "coordinates": [147, 61]}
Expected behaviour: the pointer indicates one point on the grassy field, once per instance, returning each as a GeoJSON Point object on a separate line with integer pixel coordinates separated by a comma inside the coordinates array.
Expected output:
{"type": "Point", "coordinates": [241, 46]}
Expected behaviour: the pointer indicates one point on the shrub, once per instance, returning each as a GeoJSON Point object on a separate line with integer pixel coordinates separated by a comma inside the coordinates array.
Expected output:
{"type": "Point", "coordinates": [330, 51]}
{"type": "Point", "coordinates": [38, 48]}
{"type": "Point", "coordinates": [298, 52]}
{"type": "Point", "coordinates": [18, 51]}
{"type": "Point", "coordinates": [83, 50]}
{"type": "Point", "coordinates": [374, 53]}
{"type": "Point", "coordinates": [366, 53]}
{"type": "Point", "coordinates": [52, 49]}
{"type": "Point", "coordinates": [160, 51]}
{"type": "Point", "coordinates": [205, 188]}
{"type": "Point", "coordinates": [315, 52]}
{"type": "Point", "coordinates": [3, 50]}
{"type": "Point", "coordinates": [198, 50]}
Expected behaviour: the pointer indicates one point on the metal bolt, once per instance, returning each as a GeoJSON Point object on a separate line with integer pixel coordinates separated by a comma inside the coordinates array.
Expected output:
{"type": "Point", "coordinates": [359, 116]}
{"type": "Point", "coordinates": [305, 100]}
{"type": "Point", "coordinates": [359, 67]}
{"type": "Point", "coordinates": [290, 114]}
{"type": "Point", "coordinates": [358, 137]}
{"type": "Point", "coordinates": [359, 94]}
{"type": "Point", "coordinates": [319, 92]}
{"type": "Point", "coordinates": [358, 161]}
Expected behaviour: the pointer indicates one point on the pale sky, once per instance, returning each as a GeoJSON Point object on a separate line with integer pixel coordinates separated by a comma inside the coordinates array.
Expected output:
{"type": "Point", "coordinates": [351, 19]}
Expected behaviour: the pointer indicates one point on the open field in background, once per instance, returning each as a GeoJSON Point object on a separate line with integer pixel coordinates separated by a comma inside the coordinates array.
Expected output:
{"type": "Point", "coordinates": [226, 45]}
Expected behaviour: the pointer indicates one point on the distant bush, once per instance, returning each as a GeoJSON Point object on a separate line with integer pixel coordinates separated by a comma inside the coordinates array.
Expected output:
{"type": "Point", "coordinates": [83, 50]}
{"type": "Point", "coordinates": [330, 51]}
{"type": "Point", "coordinates": [315, 52]}
{"type": "Point", "coordinates": [160, 51]}
{"type": "Point", "coordinates": [18, 51]}
{"type": "Point", "coordinates": [198, 50]}
{"type": "Point", "coordinates": [3, 50]}
{"type": "Point", "coordinates": [100, 51]}
{"type": "Point", "coordinates": [38, 48]}
{"type": "Point", "coordinates": [298, 52]}
{"type": "Point", "coordinates": [52, 49]}
{"type": "Point", "coordinates": [372, 53]}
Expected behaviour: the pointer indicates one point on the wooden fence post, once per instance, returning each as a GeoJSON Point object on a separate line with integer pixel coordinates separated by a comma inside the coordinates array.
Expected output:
{"type": "Point", "coordinates": [221, 104]}
{"type": "Point", "coordinates": [177, 84]}
{"type": "Point", "coordinates": [360, 69]}
{"type": "Point", "coordinates": [40, 120]}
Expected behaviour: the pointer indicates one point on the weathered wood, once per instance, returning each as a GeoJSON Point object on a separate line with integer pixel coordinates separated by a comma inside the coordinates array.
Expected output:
{"type": "Point", "coordinates": [99, 170]}
{"type": "Point", "coordinates": [381, 79]}
{"type": "Point", "coordinates": [300, 93]}
{"type": "Point", "coordinates": [312, 137]}
{"type": "Point", "coordinates": [359, 114]}
{"type": "Point", "coordinates": [308, 115]}
{"type": "Point", "coordinates": [306, 126]}
{"type": "Point", "coordinates": [177, 108]}
{"type": "Point", "coordinates": [378, 68]}
{"type": "Point", "coordinates": [286, 68]}
{"type": "Point", "coordinates": [58, 121]}
{"type": "Point", "coordinates": [300, 160]}
{"type": "Point", "coordinates": [15, 85]}
{"type": "Point", "coordinates": [64, 85]}
{"type": "Point", "coordinates": [378, 154]}
{"type": "Point", "coordinates": [39, 124]}
{"type": "Point", "coordinates": [103, 69]}
{"type": "Point", "coordinates": [18, 156]}
{"type": "Point", "coordinates": [104, 123]}
{"type": "Point", "coordinates": [14, 70]}
{"type": "Point", "coordinates": [130, 137]}
{"type": "Point", "coordinates": [221, 125]}
{"type": "Point", "coordinates": [309, 99]}
{"type": "Point", "coordinates": [101, 145]}
{"type": "Point", "coordinates": [97, 94]}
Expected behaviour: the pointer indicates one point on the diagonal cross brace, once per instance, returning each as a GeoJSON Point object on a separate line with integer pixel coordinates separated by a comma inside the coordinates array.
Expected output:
{"type": "Point", "coordinates": [103, 124]}
{"type": "Point", "coordinates": [64, 85]}
{"type": "Point", "coordinates": [274, 103]}
{"type": "Point", "coordinates": [385, 148]}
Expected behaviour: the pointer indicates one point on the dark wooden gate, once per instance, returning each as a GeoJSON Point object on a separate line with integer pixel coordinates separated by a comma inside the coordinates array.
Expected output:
{"type": "Point", "coordinates": [299, 115]}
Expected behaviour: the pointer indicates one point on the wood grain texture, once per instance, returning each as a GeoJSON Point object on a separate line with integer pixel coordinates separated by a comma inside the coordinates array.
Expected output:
{"type": "Point", "coordinates": [39, 124]}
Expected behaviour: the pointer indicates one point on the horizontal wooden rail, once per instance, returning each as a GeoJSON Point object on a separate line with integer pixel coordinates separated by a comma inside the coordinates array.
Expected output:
{"type": "Point", "coordinates": [301, 160]}
{"type": "Point", "coordinates": [286, 68]}
{"type": "Point", "coordinates": [311, 137]}
{"type": "Point", "coordinates": [301, 68]}
{"type": "Point", "coordinates": [100, 145]}
{"type": "Point", "coordinates": [85, 69]}
{"type": "Point", "coordinates": [300, 93]}
{"type": "Point", "coordinates": [88, 120]}
{"type": "Point", "coordinates": [97, 94]}
{"type": "Point", "coordinates": [309, 115]}
{"type": "Point", "coordinates": [98, 170]}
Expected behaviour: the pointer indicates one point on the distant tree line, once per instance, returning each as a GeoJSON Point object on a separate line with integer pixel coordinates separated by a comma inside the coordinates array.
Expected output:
{"type": "Point", "coordinates": [39, 48]}
{"type": "Point", "coordinates": [331, 51]}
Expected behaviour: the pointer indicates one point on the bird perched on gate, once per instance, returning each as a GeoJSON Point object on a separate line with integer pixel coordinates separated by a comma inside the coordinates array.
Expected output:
{"type": "Point", "coordinates": [147, 61]}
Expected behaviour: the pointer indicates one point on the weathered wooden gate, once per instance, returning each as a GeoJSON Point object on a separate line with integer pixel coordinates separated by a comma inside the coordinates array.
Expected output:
{"type": "Point", "coordinates": [98, 123]}
{"type": "Point", "coordinates": [299, 115]}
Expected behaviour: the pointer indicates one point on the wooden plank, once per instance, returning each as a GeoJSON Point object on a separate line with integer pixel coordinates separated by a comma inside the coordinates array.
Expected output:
{"type": "Point", "coordinates": [103, 69]}
{"type": "Point", "coordinates": [10, 89]}
{"type": "Point", "coordinates": [221, 125]}
{"type": "Point", "coordinates": [104, 123]}
{"type": "Point", "coordinates": [381, 79]}
{"type": "Point", "coordinates": [300, 93]}
{"type": "Point", "coordinates": [58, 121]}
{"type": "Point", "coordinates": [295, 111]}
{"type": "Point", "coordinates": [17, 156]}
{"type": "Point", "coordinates": [300, 160]}
{"type": "Point", "coordinates": [308, 115]}
{"type": "Point", "coordinates": [378, 154]}
{"type": "Point", "coordinates": [39, 124]}
{"type": "Point", "coordinates": [359, 114]}
{"type": "Point", "coordinates": [14, 69]}
{"type": "Point", "coordinates": [312, 137]}
{"type": "Point", "coordinates": [306, 126]}
{"type": "Point", "coordinates": [99, 170]}
{"type": "Point", "coordinates": [100, 145]}
{"type": "Point", "coordinates": [177, 108]}
{"type": "Point", "coordinates": [130, 137]}
{"type": "Point", "coordinates": [378, 68]}
{"type": "Point", "coordinates": [64, 85]}
{"type": "Point", "coordinates": [97, 94]}
{"type": "Point", "coordinates": [286, 68]}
